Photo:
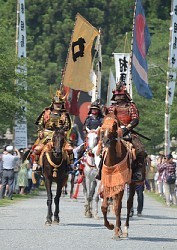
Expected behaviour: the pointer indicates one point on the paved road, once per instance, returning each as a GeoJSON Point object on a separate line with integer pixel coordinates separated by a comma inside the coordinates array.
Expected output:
{"type": "Point", "coordinates": [22, 227]}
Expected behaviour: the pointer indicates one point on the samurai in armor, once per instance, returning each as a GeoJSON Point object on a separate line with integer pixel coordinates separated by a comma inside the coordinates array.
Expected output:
{"type": "Point", "coordinates": [51, 117]}
{"type": "Point", "coordinates": [128, 115]}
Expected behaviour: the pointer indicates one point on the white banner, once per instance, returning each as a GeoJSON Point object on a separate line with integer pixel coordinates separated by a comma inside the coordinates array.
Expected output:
{"type": "Point", "coordinates": [99, 66]}
{"type": "Point", "coordinates": [173, 53]}
{"type": "Point", "coordinates": [20, 130]}
{"type": "Point", "coordinates": [94, 92]}
{"type": "Point", "coordinates": [22, 30]}
{"type": "Point", "coordinates": [111, 87]}
{"type": "Point", "coordinates": [122, 65]}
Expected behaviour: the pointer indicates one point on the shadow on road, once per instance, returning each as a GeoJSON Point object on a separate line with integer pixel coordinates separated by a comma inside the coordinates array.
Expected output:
{"type": "Point", "coordinates": [154, 239]}
{"type": "Point", "coordinates": [86, 225]}
{"type": "Point", "coordinates": [156, 217]}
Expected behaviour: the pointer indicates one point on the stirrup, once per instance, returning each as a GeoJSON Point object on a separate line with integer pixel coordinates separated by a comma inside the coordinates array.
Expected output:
{"type": "Point", "coordinates": [36, 168]}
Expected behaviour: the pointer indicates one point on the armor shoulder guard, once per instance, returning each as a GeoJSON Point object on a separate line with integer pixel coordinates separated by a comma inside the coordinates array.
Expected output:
{"type": "Point", "coordinates": [40, 116]}
{"type": "Point", "coordinates": [132, 104]}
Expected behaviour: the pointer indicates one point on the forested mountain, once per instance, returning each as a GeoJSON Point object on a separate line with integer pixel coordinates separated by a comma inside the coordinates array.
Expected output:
{"type": "Point", "coordinates": [49, 28]}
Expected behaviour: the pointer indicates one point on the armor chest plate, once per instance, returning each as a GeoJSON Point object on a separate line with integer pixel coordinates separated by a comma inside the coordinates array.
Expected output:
{"type": "Point", "coordinates": [123, 114]}
{"type": "Point", "coordinates": [54, 120]}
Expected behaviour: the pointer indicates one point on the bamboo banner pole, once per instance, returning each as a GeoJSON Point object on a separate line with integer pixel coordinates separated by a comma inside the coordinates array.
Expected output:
{"type": "Point", "coordinates": [66, 62]}
{"type": "Point", "coordinates": [131, 53]}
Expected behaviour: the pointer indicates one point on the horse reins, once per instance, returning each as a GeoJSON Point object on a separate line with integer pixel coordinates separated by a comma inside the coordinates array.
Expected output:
{"type": "Point", "coordinates": [55, 166]}
{"type": "Point", "coordinates": [91, 166]}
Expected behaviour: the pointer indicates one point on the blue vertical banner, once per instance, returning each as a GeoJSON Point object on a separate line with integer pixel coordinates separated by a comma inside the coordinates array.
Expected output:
{"type": "Point", "coordinates": [141, 43]}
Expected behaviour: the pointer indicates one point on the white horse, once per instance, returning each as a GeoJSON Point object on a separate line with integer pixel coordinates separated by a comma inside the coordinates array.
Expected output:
{"type": "Point", "coordinates": [91, 161]}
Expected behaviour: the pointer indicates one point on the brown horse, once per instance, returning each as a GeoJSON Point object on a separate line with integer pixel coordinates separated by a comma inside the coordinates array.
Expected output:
{"type": "Point", "coordinates": [116, 173]}
{"type": "Point", "coordinates": [55, 169]}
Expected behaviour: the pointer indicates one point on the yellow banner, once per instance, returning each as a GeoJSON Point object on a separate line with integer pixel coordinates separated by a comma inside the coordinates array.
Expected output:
{"type": "Point", "coordinates": [78, 65]}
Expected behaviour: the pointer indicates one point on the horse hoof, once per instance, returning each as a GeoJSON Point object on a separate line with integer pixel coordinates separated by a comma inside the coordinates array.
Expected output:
{"type": "Point", "coordinates": [88, 215]}
{"type": "Point", "coordinates": [131, 214]}
{"type": "Point", "coordinates": [125, 232]}
{"type": "Point", "coordinates": [56, 222]}
{"type": "Point", "coordinates": [125, 236]}
{"type": "Point", "coordinates": [116, 237]}
{"type": "Point", "coordinates": [96, 217]}
{"type": "Point", "coordinates": [48, 223]}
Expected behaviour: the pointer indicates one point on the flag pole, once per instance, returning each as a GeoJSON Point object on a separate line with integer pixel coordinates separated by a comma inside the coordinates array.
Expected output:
{"type": "Point", "coordinates": [131, 53]}
{"type": "Point", "coordinates": [130, 80]}
{"type": "Point", "coordinates": [125, 43]}
{"type": "Point", "coordinates": [16, 55]}
{"type": "Point", "coordinates": [66, 62]}
{"type": "Point", "coordinates": [109, 89]}
{"type": "Point", "coordinates": [99, 66]}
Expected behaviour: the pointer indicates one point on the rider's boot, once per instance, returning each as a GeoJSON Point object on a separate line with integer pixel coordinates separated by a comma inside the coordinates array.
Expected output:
{"type": "Point", "coordinates": [36, 167]}
{"type": "Point", "coordinates": [70, 153]}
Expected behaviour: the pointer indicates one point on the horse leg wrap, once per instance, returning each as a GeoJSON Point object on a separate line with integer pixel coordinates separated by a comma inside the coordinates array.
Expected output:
{"type": "Point", "coordinates": [125, 232]}
{"type": "Point", "coordinates": [55, 173]}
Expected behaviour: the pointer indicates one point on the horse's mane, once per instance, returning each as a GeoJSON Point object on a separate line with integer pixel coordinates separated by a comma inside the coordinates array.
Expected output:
{"type": "Point", "coordinates": [111, 120]}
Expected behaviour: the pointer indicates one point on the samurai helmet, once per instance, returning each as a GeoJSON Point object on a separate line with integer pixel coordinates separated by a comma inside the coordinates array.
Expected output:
{"type": "Point", "coordinates": [95, 105]}
{"type": "Point", "coordinates": [58, 98]}
{"type": "Point", "coordinates": [120, 93]}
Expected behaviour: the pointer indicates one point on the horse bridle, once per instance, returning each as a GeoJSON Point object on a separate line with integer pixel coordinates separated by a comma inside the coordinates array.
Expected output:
{"type": "Point", "coordinates": [108, 125]}
{"type": "Point", "coordinates": [57, 155]}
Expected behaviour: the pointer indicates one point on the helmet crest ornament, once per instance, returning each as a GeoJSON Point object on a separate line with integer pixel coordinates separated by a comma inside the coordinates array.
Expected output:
{"type": "Point", "coordinates": [59, 97]}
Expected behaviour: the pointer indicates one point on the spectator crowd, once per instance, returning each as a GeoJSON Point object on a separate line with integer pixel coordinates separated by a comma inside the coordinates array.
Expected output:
{"type": "Point", "coordinates": [161, 176]}
{"type": "Point", "coordinates": [16, 174]}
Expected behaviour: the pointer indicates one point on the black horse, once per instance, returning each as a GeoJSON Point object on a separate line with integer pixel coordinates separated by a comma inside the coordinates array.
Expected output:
{"type": "Point", "coordinates": [55, 169]}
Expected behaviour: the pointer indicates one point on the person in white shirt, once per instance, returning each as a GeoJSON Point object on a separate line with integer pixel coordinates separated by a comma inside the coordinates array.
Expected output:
{"type": "Point", "coordinates": [8, 162]}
